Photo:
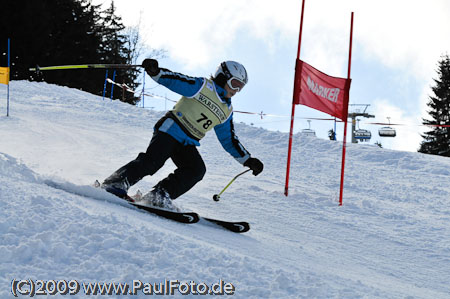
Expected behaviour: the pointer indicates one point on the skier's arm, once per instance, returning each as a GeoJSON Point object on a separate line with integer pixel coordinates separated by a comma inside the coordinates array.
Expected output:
{"type": "Point", "coordinates": [230, 142]}
{"type": "Point", "coordinates": [184, 85]}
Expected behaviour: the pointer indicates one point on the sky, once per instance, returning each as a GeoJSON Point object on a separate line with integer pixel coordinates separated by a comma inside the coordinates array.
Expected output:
{"type": "Point", "coordinates": [396, 49]}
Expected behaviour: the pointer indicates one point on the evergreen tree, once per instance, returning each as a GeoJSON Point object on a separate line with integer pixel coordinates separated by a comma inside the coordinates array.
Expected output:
{"type": "Point", "coordinates": [437, 141]}
{"type": "Point", "coordinates": [114, 49]}
{"type": "Point", "coordinates": [62, 32]}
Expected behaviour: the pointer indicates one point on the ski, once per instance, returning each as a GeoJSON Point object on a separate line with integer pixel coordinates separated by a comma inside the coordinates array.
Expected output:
{"type": "Point", "coordinates": [237, 227]}
{"type": "Point", "coordinates": [192, 217]}
{"type": "Point", "coordinates": [188, 217]}
{"type": "Point", "coordinates": [183, 217]}
{"type": "Point", "coordinates": [94, 191]}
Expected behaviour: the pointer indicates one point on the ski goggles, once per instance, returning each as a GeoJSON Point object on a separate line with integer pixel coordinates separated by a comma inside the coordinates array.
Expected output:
{"type": "Point", "coordinates": [235, 84]}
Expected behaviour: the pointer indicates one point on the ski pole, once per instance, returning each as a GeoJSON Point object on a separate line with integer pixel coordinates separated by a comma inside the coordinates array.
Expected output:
{"type": "Point", "coordinates": [216, 197]}
{"type": "Point", "coordinates": [84, 66]}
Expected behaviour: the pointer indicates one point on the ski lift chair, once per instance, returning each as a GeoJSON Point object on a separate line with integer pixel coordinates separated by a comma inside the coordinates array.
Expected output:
{"type": "Point", "coordinates": [363, 135]}
{"type": "Point", "coordinates": [309, 131]}
{"type": "Point", "coordinates": [387, 131]}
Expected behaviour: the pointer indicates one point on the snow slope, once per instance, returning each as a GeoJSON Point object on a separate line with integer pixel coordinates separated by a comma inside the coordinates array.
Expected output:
{"type": "Point", "coordinates": [390, 239]}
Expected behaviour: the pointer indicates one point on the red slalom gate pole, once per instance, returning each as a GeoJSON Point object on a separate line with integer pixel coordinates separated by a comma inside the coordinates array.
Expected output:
{"type": "Point", "coordinates": [286, 186]}
{"type": "Point", "coordinates": [344, 144]}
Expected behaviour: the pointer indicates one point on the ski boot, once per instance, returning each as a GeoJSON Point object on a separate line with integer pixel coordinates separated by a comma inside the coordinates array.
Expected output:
{"type": "Point", "coordinates": [116, 185]}
{"type": "Point", "coordinates": [159, 198]}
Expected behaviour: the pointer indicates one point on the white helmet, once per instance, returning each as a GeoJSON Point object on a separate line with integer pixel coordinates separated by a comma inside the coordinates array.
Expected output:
{"type": "Point", "coordinates": [235, 74]}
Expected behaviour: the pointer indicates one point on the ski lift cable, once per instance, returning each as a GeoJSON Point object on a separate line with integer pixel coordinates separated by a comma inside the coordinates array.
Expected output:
{"type": "Point", "coordinates": [261, 114]}
{"type": "Point", "coordinates": [408, 125]}
{"type": "Point", "coordinates": [277, 115]}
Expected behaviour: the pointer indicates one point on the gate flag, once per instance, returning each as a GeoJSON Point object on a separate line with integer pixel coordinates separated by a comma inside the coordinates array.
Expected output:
{"type": "Point", "coordinates": [4, 75]}
{"type": "Point", "coordinates": [319, 91]}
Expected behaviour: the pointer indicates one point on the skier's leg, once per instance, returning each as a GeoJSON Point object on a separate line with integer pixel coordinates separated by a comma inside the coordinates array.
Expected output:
{"type": "Point", "coordinates": [190, 171]}
{"type": "Point", "coordinates": [148, 163]}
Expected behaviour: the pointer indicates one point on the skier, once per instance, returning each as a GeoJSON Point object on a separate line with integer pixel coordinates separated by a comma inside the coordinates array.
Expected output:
{"type": "Point", "coordinates": [205, 104]}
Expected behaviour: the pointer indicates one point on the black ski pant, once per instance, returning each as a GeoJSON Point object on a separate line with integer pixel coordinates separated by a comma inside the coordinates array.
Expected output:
{"type": "Point", "coordinates": [190, 166]}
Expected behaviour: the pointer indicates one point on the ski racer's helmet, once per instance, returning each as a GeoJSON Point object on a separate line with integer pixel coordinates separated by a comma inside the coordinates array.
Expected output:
{"type": "Point", "coordinates": [232, 73]}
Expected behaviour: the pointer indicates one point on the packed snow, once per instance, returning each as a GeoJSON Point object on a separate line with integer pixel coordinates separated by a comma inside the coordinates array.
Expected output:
{"type": "Point", "coordinates": [390, 239]}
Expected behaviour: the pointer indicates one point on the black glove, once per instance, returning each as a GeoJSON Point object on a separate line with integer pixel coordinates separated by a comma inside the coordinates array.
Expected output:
{"type": "Point", "coordinates": [255, 165]}
{"type": "Point", "coordinates": [151, 66]}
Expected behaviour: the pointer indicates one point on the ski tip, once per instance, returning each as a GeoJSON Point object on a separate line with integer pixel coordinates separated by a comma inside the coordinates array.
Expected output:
{"type": "Point", "coordinates": [183, 217]}
{"type": "Point", "coordinates": [236, 227]}
{"type": "Point", "coordinates": [241, 227]}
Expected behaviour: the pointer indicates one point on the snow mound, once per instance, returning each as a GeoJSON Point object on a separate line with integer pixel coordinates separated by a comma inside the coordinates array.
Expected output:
{"type": "Point", "coordinates": [390, 239]}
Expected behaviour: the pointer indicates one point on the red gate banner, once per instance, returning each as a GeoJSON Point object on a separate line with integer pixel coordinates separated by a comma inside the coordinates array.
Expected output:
{"type": "Point", "coordinates": [319, 91]}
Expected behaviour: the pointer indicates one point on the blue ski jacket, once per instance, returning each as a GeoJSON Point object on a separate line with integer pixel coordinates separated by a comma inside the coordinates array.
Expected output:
{"type": "Point", "coordinates": [189, 86]}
